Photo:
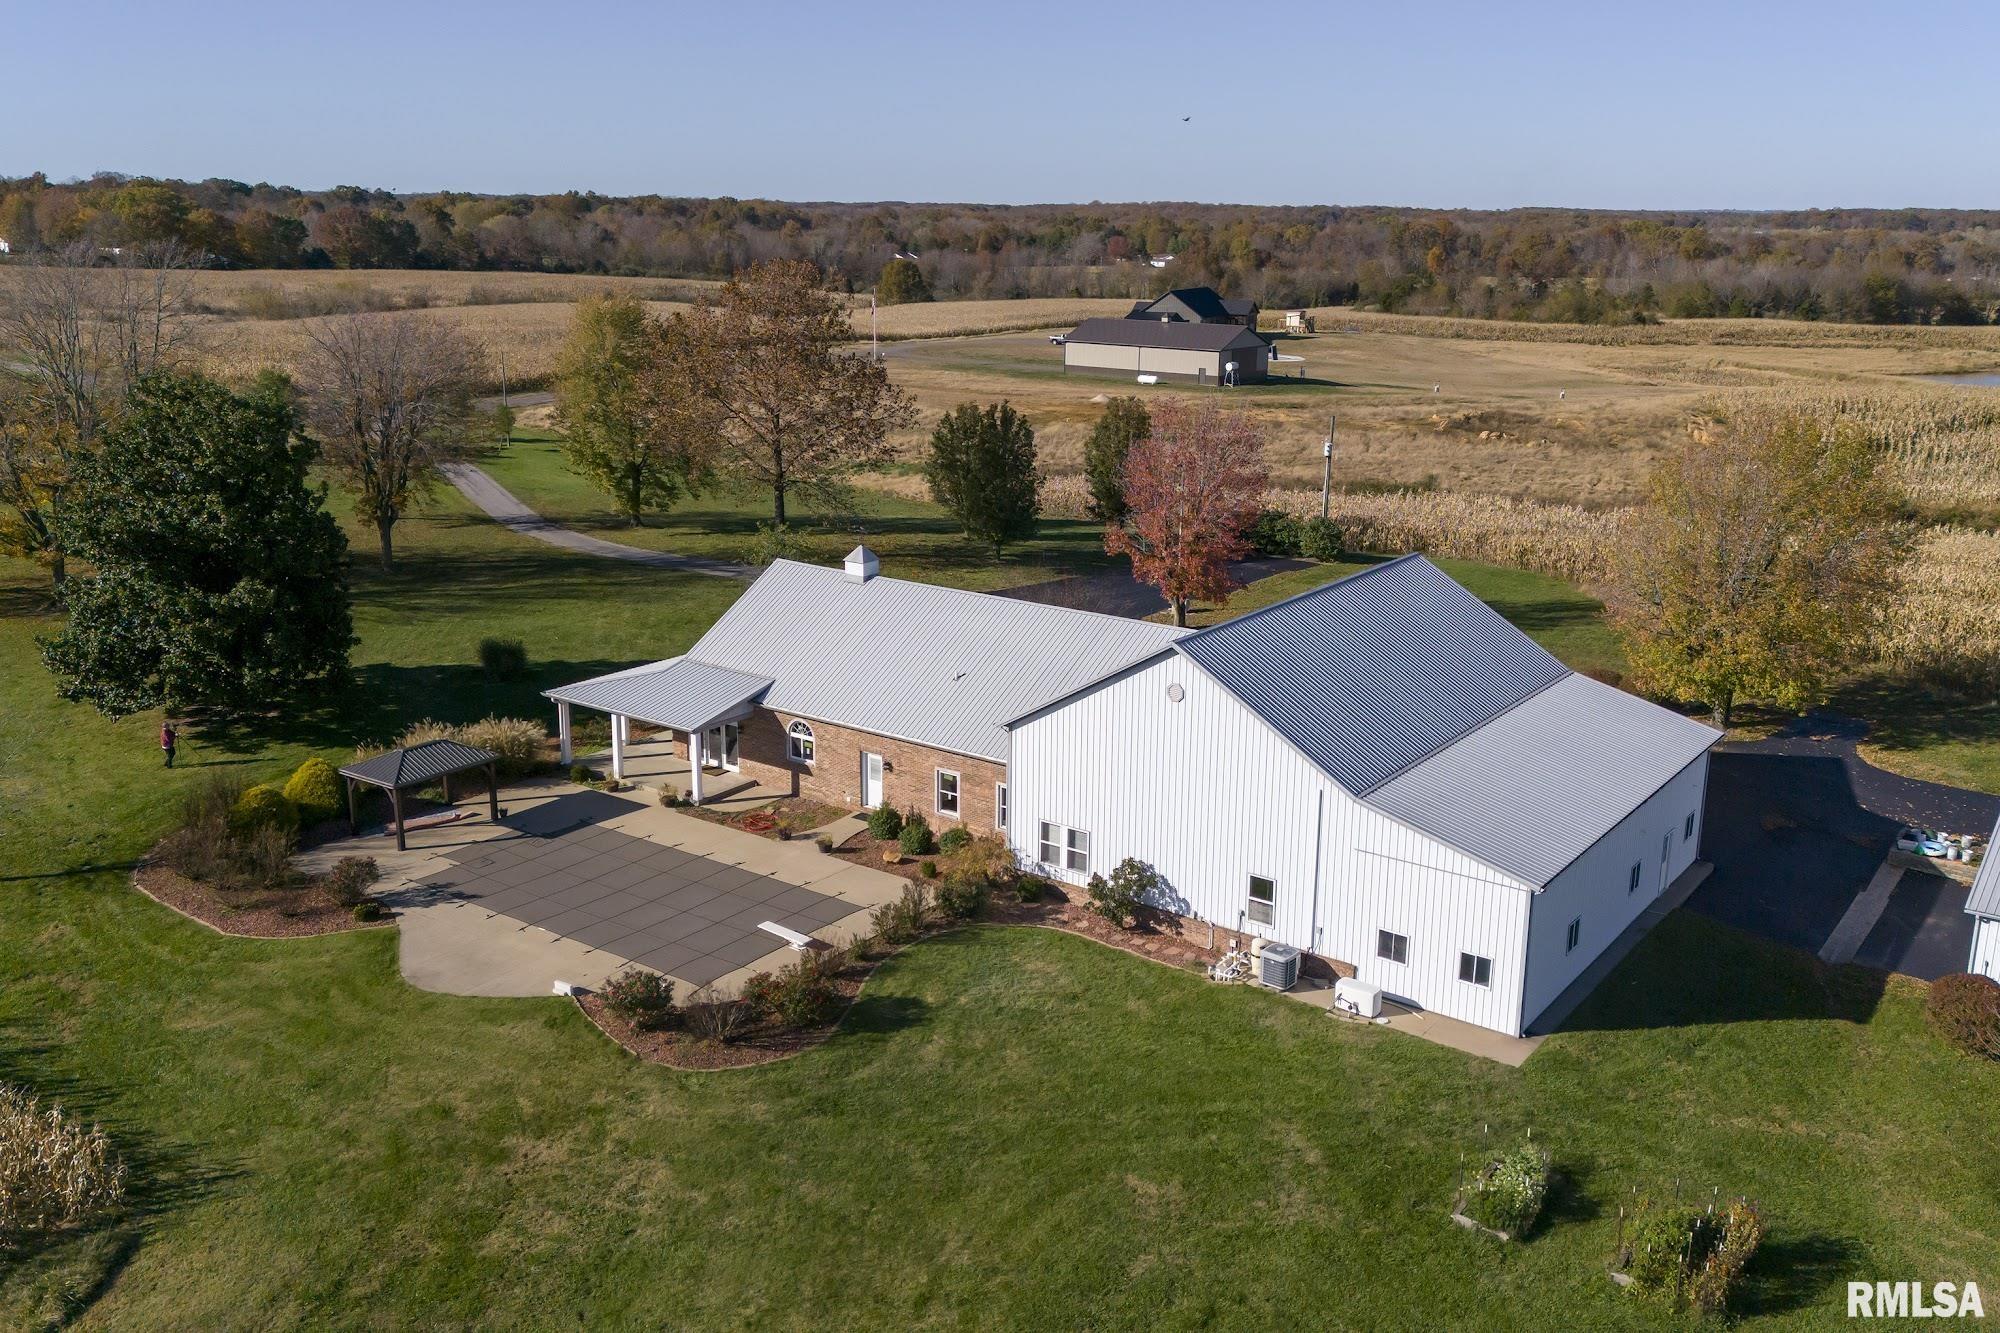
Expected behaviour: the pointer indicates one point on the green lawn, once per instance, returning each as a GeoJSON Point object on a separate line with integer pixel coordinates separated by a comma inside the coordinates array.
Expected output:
{"type": "Point", "coordinates": [915, 539]}
{"type": "Point", "coordinates": [1017, 1129]}
{"type": "Point", "coordinates": [1567, 622]}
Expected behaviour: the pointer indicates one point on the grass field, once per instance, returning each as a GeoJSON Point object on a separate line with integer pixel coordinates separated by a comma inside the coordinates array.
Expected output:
{"type": "Point", "coordinates": [1016, 1129]}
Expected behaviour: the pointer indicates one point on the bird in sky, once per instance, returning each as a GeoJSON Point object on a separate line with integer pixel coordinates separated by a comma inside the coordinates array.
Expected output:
{"type": "Point", "coordinates": [1186, 119]}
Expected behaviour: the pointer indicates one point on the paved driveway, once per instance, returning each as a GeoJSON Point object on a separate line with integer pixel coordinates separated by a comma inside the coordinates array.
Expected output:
{"type": "Point", "coordinates": [1796, 826]}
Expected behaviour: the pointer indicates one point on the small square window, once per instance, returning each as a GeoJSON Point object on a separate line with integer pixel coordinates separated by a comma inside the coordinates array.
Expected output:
{"type": "Point", "coordinates": [1687, 829]}
{"type": "Point", "coordinates": [1079, 851]}
{"type": "Point", "coordinates": [1051, 844]}
{"type": "Point", "coordinates": [1575, 931]}
{"type": "Point", "coordinates": [1263, 899]}
{"type": "Point", "coordinates": [1474, 969]}
{"type": "Point", "coordinates": [1638, 869]}
{"type": "Point", "coordinates": [1000, 805]}
{"type": "Point", "coordinates": [947, 792]}
{"type": "Point", "coordinates": [1394, 947]}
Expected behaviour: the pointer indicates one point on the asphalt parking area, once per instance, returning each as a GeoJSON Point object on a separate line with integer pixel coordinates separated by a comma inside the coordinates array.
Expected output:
{"type": "Point", "coordinates": [690, 916]}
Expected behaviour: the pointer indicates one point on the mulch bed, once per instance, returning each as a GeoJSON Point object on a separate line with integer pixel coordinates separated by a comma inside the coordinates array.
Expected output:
{"type": "Point", "coordinates": [758, 1044]}
{"type": "Point", "coordinates": [794, 814]}
{"type": "Point", "coordinates": [265, 916]}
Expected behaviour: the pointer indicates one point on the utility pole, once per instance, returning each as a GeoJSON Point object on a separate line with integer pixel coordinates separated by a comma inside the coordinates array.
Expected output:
{"type": "Point", "coordinates": [1326, 468]}
{"type": "Point", "coordinates": [874, 345]}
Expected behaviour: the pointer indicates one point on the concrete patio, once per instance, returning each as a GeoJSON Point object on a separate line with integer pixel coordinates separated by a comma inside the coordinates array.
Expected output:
{"type": "Point", "coordinates": [652, 764]}
{"type": "Point", "coordinates": [574, 884]}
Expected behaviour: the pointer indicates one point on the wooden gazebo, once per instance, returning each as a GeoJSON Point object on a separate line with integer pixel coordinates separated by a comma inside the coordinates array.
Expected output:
{"type": "Point", "coordinates": [416, 766]}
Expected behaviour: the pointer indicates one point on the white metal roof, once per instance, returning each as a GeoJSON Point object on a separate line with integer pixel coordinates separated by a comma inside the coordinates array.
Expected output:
{"type": "Point", "coordinates": [939, 666]}
{"type": "Point", "coordinates": [1535, 787]}
{"type": "Point", "coordinates": [1984, 900]}
{"type": "Point", "coordinates": [677, 692]}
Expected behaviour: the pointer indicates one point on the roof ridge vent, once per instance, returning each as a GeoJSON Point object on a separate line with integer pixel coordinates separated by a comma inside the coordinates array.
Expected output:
{"type": "Point", "coordinates": [862, 564]}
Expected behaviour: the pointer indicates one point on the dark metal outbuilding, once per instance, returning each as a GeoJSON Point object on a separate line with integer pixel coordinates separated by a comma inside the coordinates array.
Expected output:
{"type": "Point", "coordinates": [417, 766]}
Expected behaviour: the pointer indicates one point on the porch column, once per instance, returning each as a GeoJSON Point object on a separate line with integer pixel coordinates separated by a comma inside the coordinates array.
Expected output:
{"type": "Point", "coordinates": [694, 764]}
{"type": "Point", "coordinates": [617, 747]}
{"type": "Point", "coordinates": [396, 803]}
{"type": "Point", "coordinates": [493, 792]}
{"type": "Point", "coordinates": [562, 731]}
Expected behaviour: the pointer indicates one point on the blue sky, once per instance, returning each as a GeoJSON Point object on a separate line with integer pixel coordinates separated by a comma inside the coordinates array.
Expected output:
{"type": "Point", "coordinates": [1475, 105]}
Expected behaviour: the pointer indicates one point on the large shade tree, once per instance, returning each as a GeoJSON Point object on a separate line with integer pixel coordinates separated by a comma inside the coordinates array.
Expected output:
{"type": "Point", "coordinates": [794, 411]}
{"type": "Point", "coordinates": [1193, 488]}
{"type": "Point", "coordinates": [1769, 544]}
{"type": "Point", "coordinates": [390, 399]}
{"type": "Point", "coordinates": [636, 448]}
{"type": "Point", "coordinates": [982, 469]}
{"type": "Point", "coordinates": [216, 578]}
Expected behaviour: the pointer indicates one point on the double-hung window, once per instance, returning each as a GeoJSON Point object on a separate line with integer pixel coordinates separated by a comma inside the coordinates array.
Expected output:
{"type": "Point", "coordinates": [1077, 851]}
{"type": "Point", "coordinates": [799, 743]}
{"type": "Point", "coordinates": [1687, 829]}
{"type": "Point", "coordinates": [1575, 933]}
{"type": "Point", "coordinates": [1068, 848]}
{"type": "Point", "coordinates": [947, 792]}
{"type": "Point", "coordinates": [1632, 884]}
{"type": "Point", "coordinates": [1263, 900]}
{"type": "Point", "coordinates": [1000, 805]}
{"type": "Point", "coordinates": [1049, 853]}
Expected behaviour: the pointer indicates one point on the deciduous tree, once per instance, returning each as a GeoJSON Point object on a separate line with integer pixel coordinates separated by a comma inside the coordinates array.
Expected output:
{"type": "Point", "coordinates": [1123, 424]}
{"type": "Point", "coordinates": [1192, 489]}
{"type": "Point", "coordinates": [216, 576]}
{"type": "Point", "coordinates": [390, 399]}
{"type": "Point", "coordinates": [982, 469]}
{"type": "Point", "coordinates": [1770, 542]}
{"type": "Point", "coordinates": [633, 450]}
{"type": "Point", "coordinates": [794, 411]}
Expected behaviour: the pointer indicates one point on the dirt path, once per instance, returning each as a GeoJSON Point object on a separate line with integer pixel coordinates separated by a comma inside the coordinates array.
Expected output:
{"type": "Point", "coordinates": [500, 504]}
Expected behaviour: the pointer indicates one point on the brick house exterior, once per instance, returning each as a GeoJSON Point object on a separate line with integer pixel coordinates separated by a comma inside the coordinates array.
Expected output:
{"type": "Point", "coordinates": [909, 777]}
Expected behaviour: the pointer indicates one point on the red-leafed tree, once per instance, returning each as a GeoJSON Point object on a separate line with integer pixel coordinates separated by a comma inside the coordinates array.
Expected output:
{"type": "Point", "coordinates": [1192, 490]}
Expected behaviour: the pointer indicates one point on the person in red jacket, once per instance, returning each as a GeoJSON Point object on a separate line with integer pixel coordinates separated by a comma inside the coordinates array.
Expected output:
{"type": "Point", "coordinates": [168, 739]}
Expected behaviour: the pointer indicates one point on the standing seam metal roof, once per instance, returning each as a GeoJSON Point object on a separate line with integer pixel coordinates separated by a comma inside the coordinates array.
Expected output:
{"type": "Point", "coordinates": [1984, 899]}
{"type": "Point", "coordinates": [1534, 788]}
{"type": "Point", "coordinates": [939, 666]}
{"type": "Point", "coordinates": [1177, 334]}
{"type": "Point", "coordinates": [1374, 673]}
{"type": "Point", "coordinates": [678, 693]}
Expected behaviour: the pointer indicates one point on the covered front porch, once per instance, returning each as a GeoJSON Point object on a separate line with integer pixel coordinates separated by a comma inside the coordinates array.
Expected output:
{"type": "Point", "coordinates": [679, 701]}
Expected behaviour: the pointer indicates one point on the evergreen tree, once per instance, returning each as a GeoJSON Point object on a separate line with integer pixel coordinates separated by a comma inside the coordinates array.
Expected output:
{"type": "Point", "coordinates": [217, 578]}
{"type": "Point", "coordinates": [982, 469]}
{"type": "Point", "coordinates": [1123, 425]}
{"type": "Point", "coordinates": [902, 283]}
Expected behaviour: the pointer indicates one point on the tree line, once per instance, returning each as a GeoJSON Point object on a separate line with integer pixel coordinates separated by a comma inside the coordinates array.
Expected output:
{"type": "Point", "coordinates": [1574, 265]}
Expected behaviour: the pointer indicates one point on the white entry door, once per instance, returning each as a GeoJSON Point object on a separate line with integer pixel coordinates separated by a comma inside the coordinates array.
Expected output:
{"type": "Point", "coordinates": [720, 748]}
{"type": "Point", "coordinates": [871, 779]}
{"type": "Point", "coordinates": [1666, 859]}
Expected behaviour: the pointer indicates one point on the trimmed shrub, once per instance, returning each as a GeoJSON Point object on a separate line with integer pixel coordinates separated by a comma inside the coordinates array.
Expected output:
{"type": "Point", "coordinates": [915, 838]}
{"type": "Point", "coordinates": [1965, 1010]}
{"type": "Point", "coordinates": [351, 878]}
{"type": "Point", "coordinates": [643, 998]}
{"type": "Point", "coordinates": [54, 1173]}
{"type": "Point", "coordinates": [583, 774]}
{"type": "Point", "coordinates": [1031, 888]}
{"type": "Point", "coordinates": [961, 897]}
{"type": "Point", "coordinates": [1119, 898]}
{"type": "Point", "coordinates": [954, 839]}
{"type": "Point", "coordinates": [929, 869]}
{"type": "Point", "coordinates": [315, 789]}
{"type": "Point", "coordinates": [367, 910]}
{"type": "Point", "coordinates": [503, 659]}
{"type": "Point", "coordinates": [884, 821]}
{"type": "Point", "coordinates": [263, 806]}
{"type": "Point", "coordinates": [1319, 539]}
{"type": "Point", "coordinates": [1507, 1193]}
{"type": "Point", "coordinates": [824, 842]}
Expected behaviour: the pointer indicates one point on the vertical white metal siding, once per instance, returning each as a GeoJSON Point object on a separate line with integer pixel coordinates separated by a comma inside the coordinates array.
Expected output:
{"type": "Point", "coordinates": [1594, 886]}
{"type": "Point", "coordinates": [1209, 795]}
{"type": "Point", "coordinates": [1985, 958]}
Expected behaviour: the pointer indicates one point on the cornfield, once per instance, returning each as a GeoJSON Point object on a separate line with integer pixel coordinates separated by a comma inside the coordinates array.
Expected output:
{"type": "Point", "coordinates": [1944, 626]}
{"type": "Point", "coordinates": [1566, 541]}
{"type": "Point", "coordinates": [1671, 333]}
{"type": "Point", "coordinates": [54, 1172]}
{"type": "Point", "coordinates": [1942, 445]}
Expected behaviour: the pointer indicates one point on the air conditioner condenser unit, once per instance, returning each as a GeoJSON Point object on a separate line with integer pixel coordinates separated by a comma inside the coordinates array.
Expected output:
{"type": "Point", "coordinates": [1278, 966]}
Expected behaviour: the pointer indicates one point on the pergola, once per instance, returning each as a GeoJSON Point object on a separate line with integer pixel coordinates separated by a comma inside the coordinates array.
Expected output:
{"type": "Point", "coordinates": [415, 766]}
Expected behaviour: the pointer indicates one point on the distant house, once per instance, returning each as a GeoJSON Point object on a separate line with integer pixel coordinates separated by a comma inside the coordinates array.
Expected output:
{"type": "Point", "coordinates": [1160, 261]}
{"type": "Point", "coordinates": [1170, 349]}
{"type": "Point", "coordinates": [1197, 305]}
{"type": "Point", "coordinates": [1984, 905]}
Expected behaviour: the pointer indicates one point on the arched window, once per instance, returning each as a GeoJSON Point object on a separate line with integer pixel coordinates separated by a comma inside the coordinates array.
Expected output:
{"type": "Point", "coordinates": [801, 742]}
